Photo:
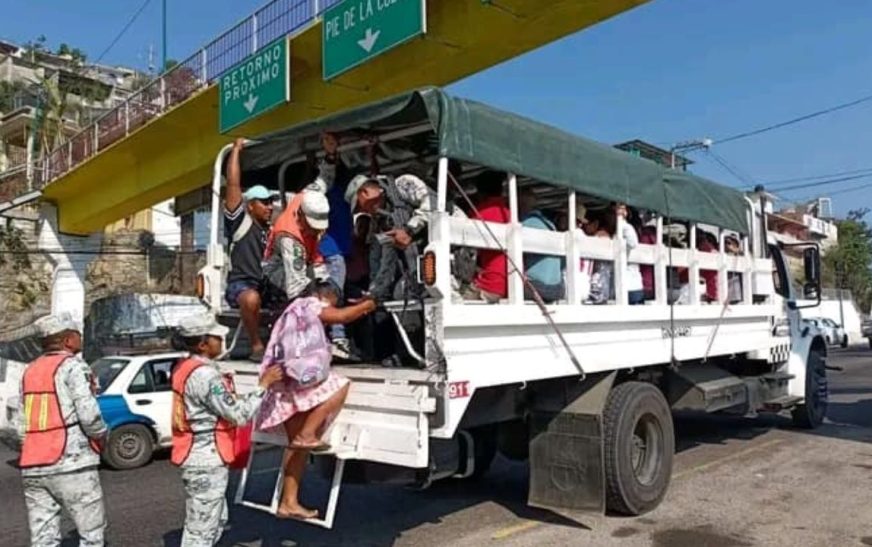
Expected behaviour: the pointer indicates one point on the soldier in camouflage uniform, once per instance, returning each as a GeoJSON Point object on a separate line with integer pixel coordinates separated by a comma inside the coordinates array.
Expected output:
{"type": "Point", "coordinates": [208, 403]}
{"type": "Point", "coordinates": [63, 477]}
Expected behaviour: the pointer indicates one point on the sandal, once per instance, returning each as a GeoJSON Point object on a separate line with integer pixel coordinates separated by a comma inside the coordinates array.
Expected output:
{"type": "Point", "coordinates": [317, 446]}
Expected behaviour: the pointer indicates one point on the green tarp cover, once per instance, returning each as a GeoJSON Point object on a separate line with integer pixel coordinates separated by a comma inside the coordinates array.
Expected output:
{"type": "Point", "coordinates": [473, 132]}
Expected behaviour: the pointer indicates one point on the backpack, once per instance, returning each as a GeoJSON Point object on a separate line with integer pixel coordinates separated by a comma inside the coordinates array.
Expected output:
{"type": "Point", "coordinates": [299, 345]}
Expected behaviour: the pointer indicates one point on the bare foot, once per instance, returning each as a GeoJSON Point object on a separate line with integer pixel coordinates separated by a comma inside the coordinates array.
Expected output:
{"type": "Point", "coordinates": [296, 512]}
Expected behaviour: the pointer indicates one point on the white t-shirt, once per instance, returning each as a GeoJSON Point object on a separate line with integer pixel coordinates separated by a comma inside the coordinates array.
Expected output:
{"type": "Point", "coordinates": [632, 274]}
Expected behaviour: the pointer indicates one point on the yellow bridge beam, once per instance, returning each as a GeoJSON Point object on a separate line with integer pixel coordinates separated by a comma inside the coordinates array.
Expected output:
{"type": "Point", "coordinates": [174, 153]}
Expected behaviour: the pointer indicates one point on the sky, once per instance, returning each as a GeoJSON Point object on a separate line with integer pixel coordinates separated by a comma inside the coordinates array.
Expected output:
{"type": "Point", "coordinates": [669, 71]}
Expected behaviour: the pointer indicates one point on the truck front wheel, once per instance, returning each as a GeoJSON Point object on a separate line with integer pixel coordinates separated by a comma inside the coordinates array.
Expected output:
{"type": "Point", "coordinates": [811, 413]}
{"type": "Point", "coordinates": [639, 444]}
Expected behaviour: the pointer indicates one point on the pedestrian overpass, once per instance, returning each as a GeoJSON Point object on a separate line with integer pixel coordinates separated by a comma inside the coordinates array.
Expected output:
{"type": "Point", "coordinates": [162, 141]}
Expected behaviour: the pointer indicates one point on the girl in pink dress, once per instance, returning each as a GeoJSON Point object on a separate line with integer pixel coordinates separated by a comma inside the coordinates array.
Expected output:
{"type": "Point", "coordinates": [305, 413]}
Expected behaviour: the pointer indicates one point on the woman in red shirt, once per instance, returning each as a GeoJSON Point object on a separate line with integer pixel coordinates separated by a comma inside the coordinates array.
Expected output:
{"type": "Point", "coordinates": [490, 283]}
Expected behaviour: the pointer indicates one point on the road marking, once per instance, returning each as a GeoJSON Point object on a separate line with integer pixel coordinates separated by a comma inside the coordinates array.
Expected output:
{"type": "Point", "coordinates": [517, 528]}
{"type": "Point", "coordinates": [734, 456]}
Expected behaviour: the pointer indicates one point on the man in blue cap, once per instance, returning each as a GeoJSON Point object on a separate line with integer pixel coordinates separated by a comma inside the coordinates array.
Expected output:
{"type": "Point", "coordinates": [246, 225]}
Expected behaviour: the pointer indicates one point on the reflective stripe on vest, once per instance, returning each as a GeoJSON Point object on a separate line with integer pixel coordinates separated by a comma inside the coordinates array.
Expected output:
{"type": "Point", "coordinates": [45, 436]}
{"type": "Point", "coordinates": [183, 436]}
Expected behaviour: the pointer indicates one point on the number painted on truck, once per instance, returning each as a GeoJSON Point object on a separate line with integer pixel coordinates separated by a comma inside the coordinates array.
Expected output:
{"type": "Point", "coordinates": [458, 390]}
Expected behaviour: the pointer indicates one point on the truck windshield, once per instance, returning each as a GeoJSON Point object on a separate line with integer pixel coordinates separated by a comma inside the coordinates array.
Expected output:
{"type": "Point", "coordinates": [106, 370]}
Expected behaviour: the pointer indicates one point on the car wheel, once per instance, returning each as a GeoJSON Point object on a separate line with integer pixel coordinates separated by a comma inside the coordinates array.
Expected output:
{"type": "Point", "coordinates": [129, 447]}
{"type": "Point", "coordinates": [845, 341]}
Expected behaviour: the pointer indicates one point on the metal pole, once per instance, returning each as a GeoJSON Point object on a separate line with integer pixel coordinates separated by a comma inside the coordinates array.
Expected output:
{"type": "Point", "coordinates": [840, 279]}
{"type": "Point", "coordinates": [164, 35]}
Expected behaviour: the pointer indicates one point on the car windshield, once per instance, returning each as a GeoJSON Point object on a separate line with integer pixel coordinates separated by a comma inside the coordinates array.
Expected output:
{"type": "Point", "coordinates": [106, 370]}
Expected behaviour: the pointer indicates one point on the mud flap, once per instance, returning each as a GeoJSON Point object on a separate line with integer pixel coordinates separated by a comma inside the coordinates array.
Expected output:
{"type": "Point", "coordinates": [566, 446]}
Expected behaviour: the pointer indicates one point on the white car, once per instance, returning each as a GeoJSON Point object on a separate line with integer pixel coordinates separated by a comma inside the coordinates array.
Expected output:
{"type": "Point", "coordinates": [834, 334]}
{"type": "Point", "coordinates": [136, 397]}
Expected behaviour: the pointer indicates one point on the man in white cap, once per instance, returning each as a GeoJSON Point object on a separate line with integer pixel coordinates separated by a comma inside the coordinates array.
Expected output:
{"type": "Point", "coordinates": [292, 256]}
{"type": "Point", "coordinates": [206, 412]}
{"type": "Point", "coordinates": [61, 429]}
{"type": "Point", "coordinates": [246, 223]}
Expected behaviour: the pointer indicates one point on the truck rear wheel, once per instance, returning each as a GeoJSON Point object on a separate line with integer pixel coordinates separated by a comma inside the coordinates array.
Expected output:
{"type": "Point", "coordinates": [811, 413]}
{"type": "Point", "coordinates": [639, 445]}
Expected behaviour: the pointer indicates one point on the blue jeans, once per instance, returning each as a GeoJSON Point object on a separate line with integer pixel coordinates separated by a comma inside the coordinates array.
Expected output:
{"type": "Point", "coordinates": [236, 288]}
{"type": "Point", "coordinates": [336, 270]}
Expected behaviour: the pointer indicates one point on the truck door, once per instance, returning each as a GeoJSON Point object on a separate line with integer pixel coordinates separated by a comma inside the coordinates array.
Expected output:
{"type": "Point", "coordinates": [150, 394]}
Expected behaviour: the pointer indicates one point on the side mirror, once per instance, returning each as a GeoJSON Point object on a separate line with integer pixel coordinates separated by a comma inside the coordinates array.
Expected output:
{"type": "Point", "coordinates": [811, 257]}
{"type": "Point", "coordinates": [810, 291]}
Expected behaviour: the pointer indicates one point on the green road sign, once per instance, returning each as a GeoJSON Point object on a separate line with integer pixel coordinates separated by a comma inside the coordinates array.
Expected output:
{"type": "Point", "coordinates": [355, 31]}
{"type": "Point", "coordinates": [254, 86]}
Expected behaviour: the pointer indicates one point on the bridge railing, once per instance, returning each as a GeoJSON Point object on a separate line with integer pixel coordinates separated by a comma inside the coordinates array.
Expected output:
{"type": "Point", "coordinates": [269, 23]}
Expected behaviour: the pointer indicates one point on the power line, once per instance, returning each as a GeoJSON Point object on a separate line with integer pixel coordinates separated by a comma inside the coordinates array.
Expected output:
{"type": "Point", "coordinates": [822, 183]}
{"type": "Point", "coordinates": [799, 119]}
{"type": "Point", "coordinates": [123, 30]}
{"type": "Point", "coordinates": [729, 168]}
{"type": "Point", "coordinates": [839, 192]}
{"type": "Point", "coordinates": [822, 176]}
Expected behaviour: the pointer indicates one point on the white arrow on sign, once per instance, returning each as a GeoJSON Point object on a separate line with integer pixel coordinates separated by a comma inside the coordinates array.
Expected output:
{"type": "Point", "coordinates": [369, 39]}
{"type": "Point", "coordinates": [250, 103]}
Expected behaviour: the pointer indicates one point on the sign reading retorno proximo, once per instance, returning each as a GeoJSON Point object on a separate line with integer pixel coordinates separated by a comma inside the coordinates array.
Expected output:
{"type": "Point", "coordinates": [254, 86]}
{"type": "Point", "coordinates": [355, 31]}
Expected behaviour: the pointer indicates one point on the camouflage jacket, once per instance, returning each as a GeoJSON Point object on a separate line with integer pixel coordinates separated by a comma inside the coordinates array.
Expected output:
{"type": "Point", "coordinates": [73, 382]}
{"type": "Point", "coordinates": [207, 399]}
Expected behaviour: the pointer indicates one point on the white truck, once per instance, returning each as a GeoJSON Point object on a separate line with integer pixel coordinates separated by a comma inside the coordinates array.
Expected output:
{"type": "Point", "coordinates": [583, 392]}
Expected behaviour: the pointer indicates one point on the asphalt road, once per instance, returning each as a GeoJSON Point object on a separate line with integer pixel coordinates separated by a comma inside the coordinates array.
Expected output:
{"type": "Point", "coordinates": [736, 482]}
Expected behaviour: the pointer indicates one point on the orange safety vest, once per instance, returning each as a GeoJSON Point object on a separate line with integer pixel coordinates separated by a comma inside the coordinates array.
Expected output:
{"type": "Point", "coordinates": [288, 223]}
{"type": "Point", "coordinates": [183, 436]}
{"type": "Point", "coordinates": [45, 437]}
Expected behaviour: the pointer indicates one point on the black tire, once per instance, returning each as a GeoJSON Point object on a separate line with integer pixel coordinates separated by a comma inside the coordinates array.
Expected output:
{"type": "Point", "coordinates": [639, 444]}
{"type": "Point", "coordinates": [812, 412]}
{"type": "Point", "coordinates": [129, 447]}
{"type": "Point", "coordinates": [845, 341]}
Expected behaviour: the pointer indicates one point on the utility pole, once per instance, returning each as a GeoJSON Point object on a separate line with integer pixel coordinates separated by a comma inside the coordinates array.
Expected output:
{"type": "Point", "coordinates": [688, 146]}
{"type": "Point", "coordinates": [164, 35]}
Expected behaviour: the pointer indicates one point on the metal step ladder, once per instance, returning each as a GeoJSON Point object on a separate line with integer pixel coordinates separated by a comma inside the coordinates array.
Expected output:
{"type": "Point", "coordinates": [267, 439]}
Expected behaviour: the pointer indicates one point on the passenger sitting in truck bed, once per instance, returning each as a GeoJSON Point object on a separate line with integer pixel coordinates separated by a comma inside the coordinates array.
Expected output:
{"type": "Point", "coordinates": [246, 221]}
{"type": "Point", "coordinates": [292, 259]}
{"type": "Point", "coordinates": [305, 413]}
{"type": "Point", "coordinates": [490, 283]}
{"type": "Point", "coordinates": [544, 272]}
{"type": "Point", "coordinates": [708, 243]}
{"type": "Point", "coordinates": [632, 274]}
{"type": "Point", "coordinates": [597, 225]}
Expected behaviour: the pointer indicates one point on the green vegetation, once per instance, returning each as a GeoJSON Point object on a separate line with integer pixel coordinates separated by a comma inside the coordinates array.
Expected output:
{"type": "Point", "coordinates": [848, 265]}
